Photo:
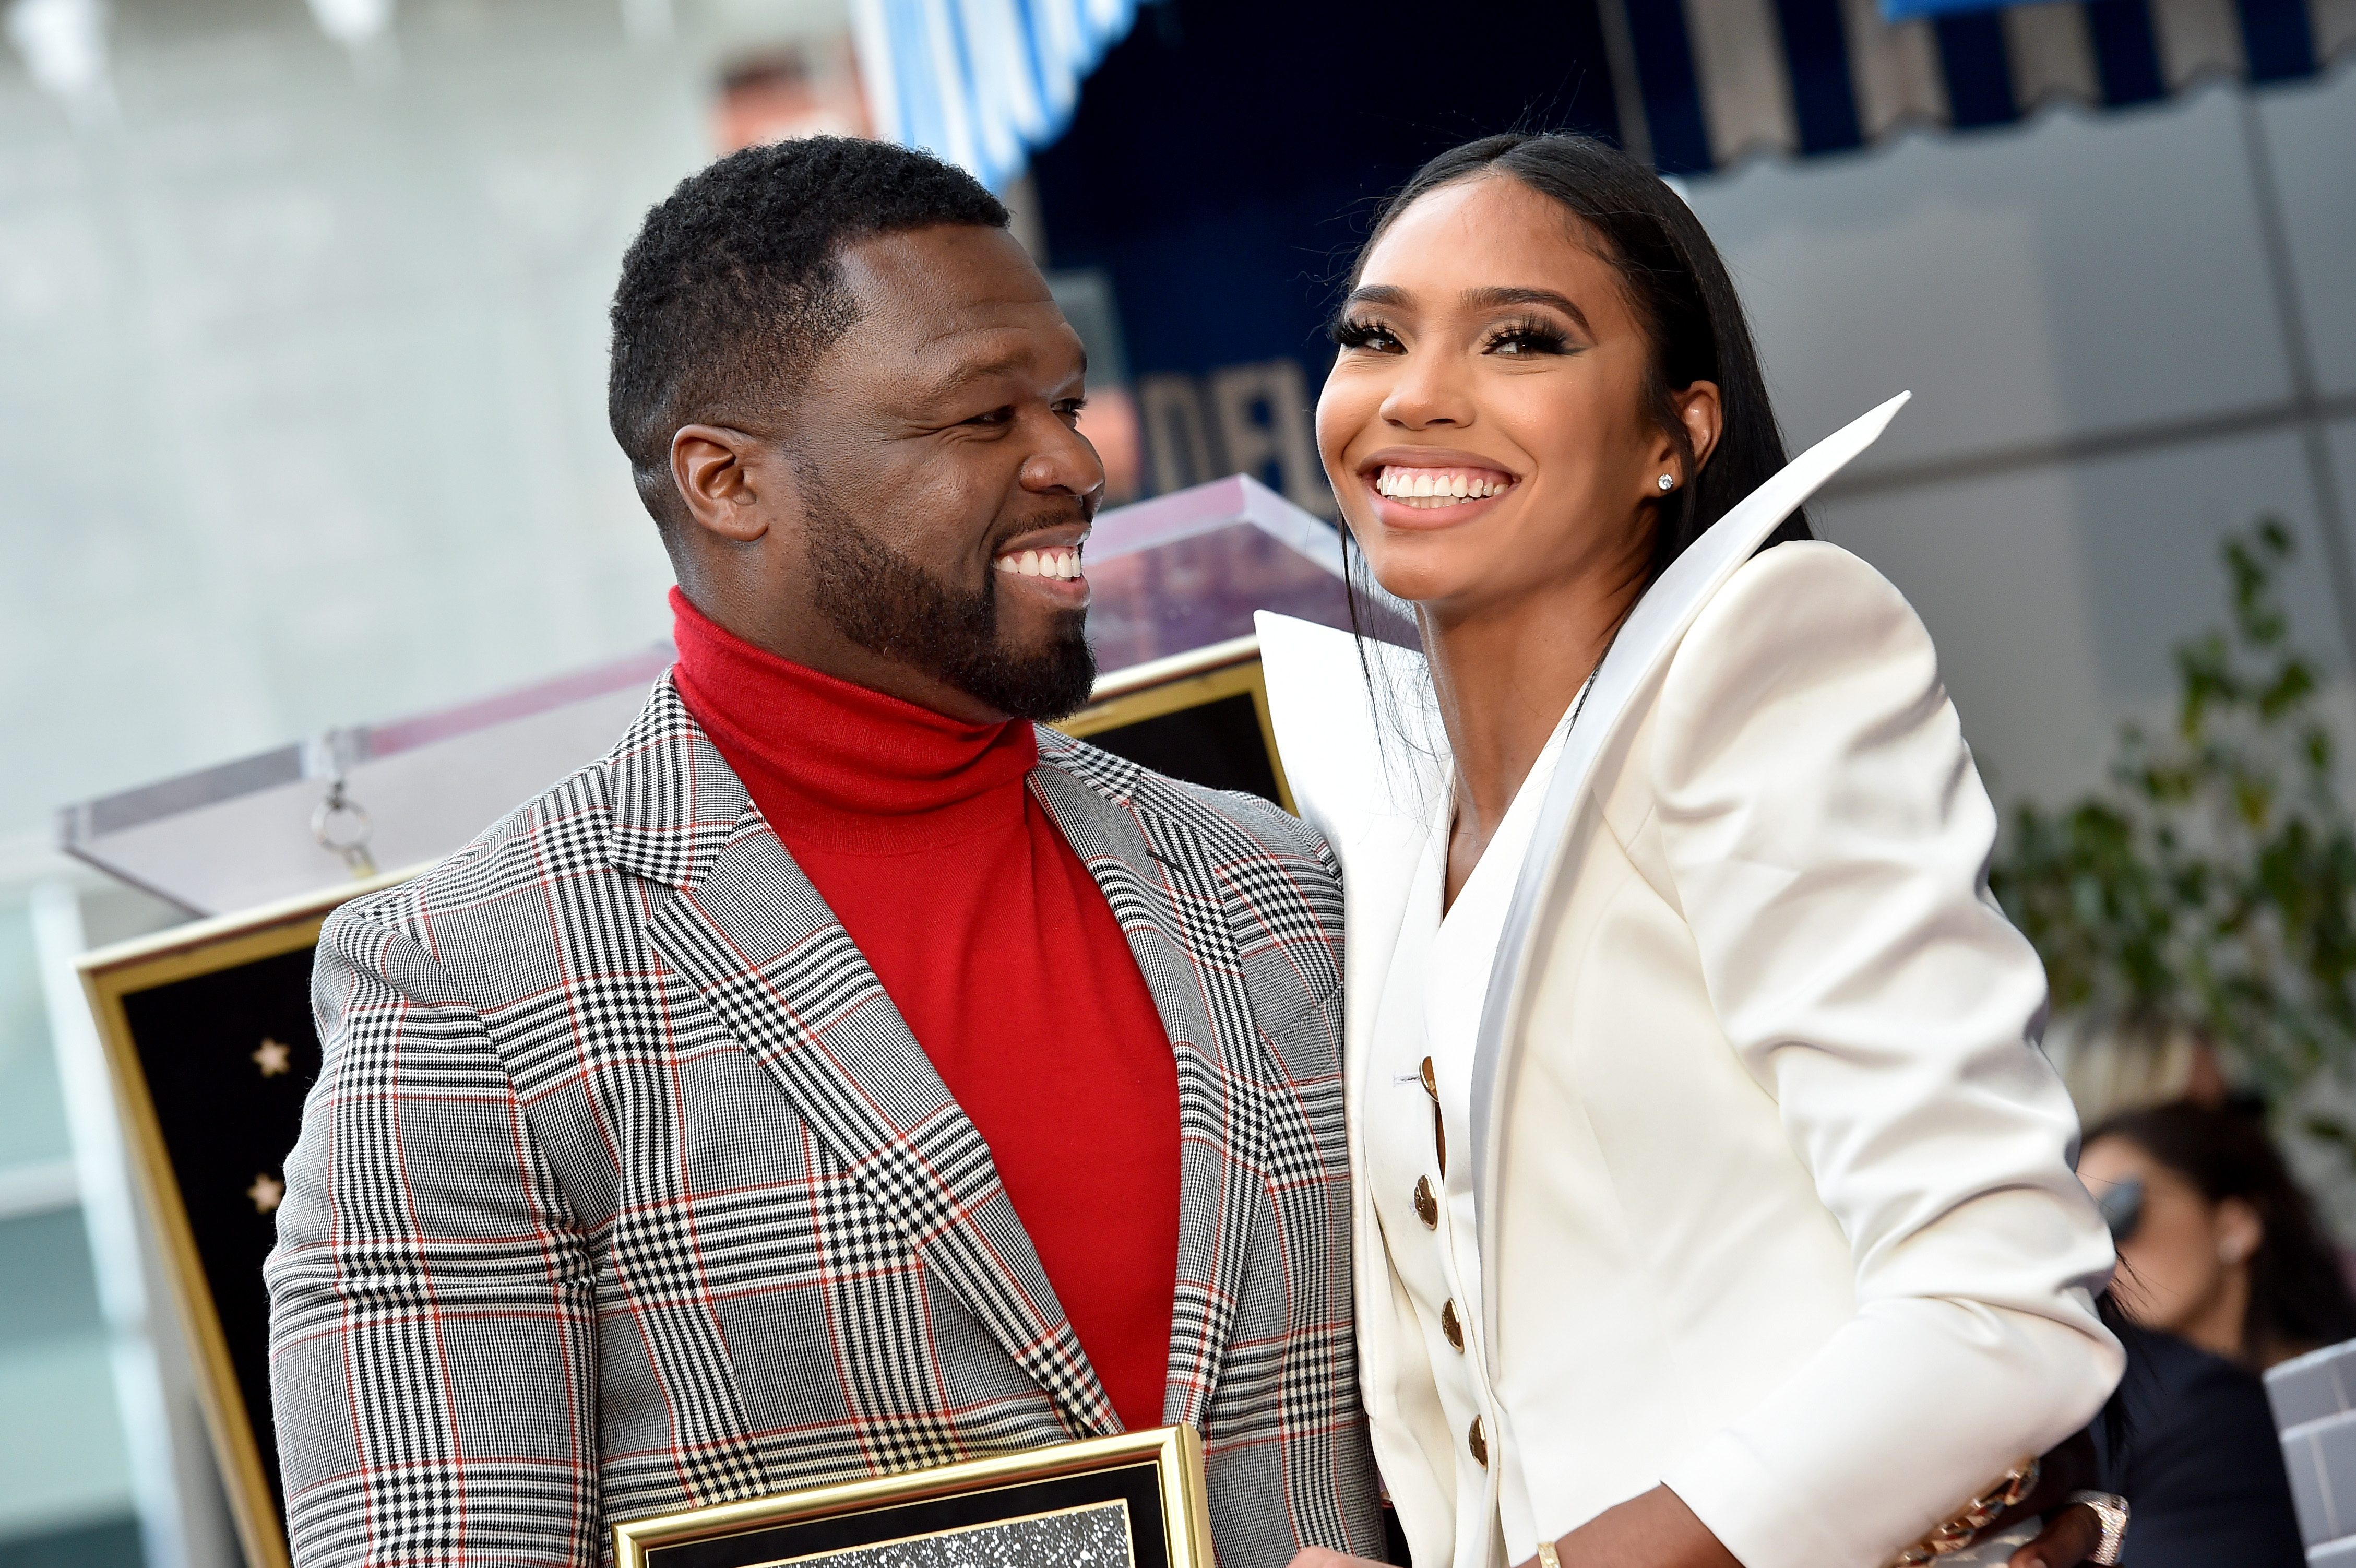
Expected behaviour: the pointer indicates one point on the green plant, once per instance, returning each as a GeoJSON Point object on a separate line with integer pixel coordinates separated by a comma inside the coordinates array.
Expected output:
{"type": "Point", "coordinates": [2211, 891]}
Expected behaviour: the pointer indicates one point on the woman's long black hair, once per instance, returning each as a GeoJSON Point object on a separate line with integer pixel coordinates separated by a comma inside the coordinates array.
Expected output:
{"type": "Point", "coordinates": [2300, 1298]}
{"type": "Point", "coordinates": [1680, 294]}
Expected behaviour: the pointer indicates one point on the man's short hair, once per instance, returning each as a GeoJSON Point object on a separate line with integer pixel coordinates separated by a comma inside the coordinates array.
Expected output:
{"type": "Point", "coordinates": [731, 291]}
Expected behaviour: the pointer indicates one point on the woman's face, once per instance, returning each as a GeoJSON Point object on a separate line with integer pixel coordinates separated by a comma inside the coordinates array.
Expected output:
{"type": "Point", "coordinates": [2185, 1264]}
{"type": "Point", "coordinates": [1485, 425]}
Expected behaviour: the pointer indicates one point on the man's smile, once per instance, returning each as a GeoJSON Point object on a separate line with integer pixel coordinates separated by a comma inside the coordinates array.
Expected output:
{"type": "Point", "coordinates": [1063, 564]}
{"type": "Point", "coordinates": [1045, 561]}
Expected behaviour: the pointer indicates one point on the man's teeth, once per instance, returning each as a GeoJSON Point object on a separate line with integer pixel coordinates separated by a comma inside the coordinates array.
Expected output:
{"type": "Point", "coordinates": [1425, 488]}
{"type": "Point", "coordinates": [1063, 564]}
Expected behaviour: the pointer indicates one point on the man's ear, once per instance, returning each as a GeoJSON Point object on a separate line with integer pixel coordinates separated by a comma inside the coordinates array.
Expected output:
{"type": "Point", "coordinates": [726, 478]}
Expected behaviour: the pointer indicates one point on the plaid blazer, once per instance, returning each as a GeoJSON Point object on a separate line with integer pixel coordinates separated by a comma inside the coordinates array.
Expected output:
{"type": "Point", "coordinates": [625, 1190]}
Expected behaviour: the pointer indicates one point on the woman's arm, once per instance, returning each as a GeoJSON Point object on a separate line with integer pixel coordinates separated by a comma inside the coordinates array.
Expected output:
{"type": "Point", "coordinates": [1828, 841]}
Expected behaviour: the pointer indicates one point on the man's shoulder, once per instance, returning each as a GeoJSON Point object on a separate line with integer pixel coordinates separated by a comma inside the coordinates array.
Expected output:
{"type": "Point", "coordinates": [560, 832]}
{"type": "Point", "coordinates": [1227, 821]}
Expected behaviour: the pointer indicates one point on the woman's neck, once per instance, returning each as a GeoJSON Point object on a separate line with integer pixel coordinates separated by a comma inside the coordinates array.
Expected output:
{"type": "Point", "coordinates": [1504, 673]}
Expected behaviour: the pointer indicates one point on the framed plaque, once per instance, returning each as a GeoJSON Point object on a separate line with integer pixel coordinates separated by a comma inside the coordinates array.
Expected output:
{"type": "Point", "coordinates": [210, 1045]}
{"type": "Point", "coordinates": [1200, 716]}
{"type": "Point", "coordinates": [1132, 1501]}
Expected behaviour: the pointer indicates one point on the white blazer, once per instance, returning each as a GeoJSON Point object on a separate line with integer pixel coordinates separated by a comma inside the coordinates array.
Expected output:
{"type": "Point", "coordinates": [1775, 1201]}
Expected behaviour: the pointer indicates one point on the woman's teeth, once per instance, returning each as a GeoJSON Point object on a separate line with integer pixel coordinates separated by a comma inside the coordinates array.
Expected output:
{"type": "Point", "coordinates": [1425, 488]}
{"type": "Point", "coordinates": [1063, 564]}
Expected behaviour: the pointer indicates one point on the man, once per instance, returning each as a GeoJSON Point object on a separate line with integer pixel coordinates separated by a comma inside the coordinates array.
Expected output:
{"type": "Point", "coordinates": [843, 1076]}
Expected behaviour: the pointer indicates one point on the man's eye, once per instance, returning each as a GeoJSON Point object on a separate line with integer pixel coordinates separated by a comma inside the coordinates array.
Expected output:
{"type": "Point", "coordinates": [1070, 408]}
{"type": "Point", "coordinates": [995, 416]}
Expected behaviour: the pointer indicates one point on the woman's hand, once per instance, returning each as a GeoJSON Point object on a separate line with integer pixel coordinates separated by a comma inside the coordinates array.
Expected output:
{"type": "Point", "coordinates": [2067, 1540]}
{"type": "Point", "coordinates": [2071, 1533]}
{"type": "Point", "coordinates": [1654, 1531]}
{"type": "Point", "coordinates": [1657, 1530]}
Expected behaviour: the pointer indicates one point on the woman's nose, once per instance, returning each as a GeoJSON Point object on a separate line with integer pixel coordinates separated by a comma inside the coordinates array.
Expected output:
{"type": "Point", "coordinates": [1424, 396]}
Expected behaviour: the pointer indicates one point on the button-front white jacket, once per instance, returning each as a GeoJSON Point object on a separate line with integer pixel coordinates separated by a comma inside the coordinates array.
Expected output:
{"type": "Point", "coordinates": [1776, 1199]}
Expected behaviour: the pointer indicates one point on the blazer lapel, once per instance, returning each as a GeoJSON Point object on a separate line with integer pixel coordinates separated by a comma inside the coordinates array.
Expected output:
{"type": "Point", "coordinates": [744, 926]}
{"type": "Point", "coordinates": [1170, 908]}
{"type": "Point", "coordinates": [1647, 641]}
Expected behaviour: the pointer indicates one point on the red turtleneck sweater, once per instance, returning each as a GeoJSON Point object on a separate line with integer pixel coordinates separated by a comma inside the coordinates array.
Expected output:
{"type": "Point", "coordinates": [1000, 950]}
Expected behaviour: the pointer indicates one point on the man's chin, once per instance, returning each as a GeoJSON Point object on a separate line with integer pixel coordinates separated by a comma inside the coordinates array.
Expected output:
{"type": "Point", "coordinates": [1042, 682]}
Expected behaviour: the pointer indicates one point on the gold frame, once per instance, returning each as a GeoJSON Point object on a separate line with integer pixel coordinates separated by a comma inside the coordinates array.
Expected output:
{"type": "Point", "coordinates": [1210, 675]}
{"type": "Point", "coordinates": [1177, 1451]}
{"type": "Point", "coordinates": [108, 976]}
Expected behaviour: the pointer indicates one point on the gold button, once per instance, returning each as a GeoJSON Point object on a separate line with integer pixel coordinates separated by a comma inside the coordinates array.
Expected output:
{"type": "Point", "coordinates": [1450, 1327]}
{"type": "Point", "coordinates": [1477, 1443]}
{"type": "Point", "coordinates": [1430, 1081]}
{"type": "Point", "coordinates": [1426, 1207]}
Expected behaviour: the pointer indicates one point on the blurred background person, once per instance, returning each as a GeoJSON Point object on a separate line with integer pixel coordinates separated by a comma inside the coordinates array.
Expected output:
{"type": "Point", "coordinates": [2223, 1267]}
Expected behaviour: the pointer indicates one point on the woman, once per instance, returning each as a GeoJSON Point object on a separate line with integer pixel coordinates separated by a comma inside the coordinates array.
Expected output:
{"type": "Point", "coordinates": [2221, 1262]}
{"type": "Point", "coordinates": [1735, 1223]}
{"type": "Point", "coordinates": [2217, 1244]}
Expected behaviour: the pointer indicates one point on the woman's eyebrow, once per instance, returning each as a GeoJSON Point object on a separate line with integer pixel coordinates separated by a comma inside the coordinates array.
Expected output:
{"type": "Point", "coordinates": [1377, 293]}
{"type": "Point", "coordinates": [1497, 298]}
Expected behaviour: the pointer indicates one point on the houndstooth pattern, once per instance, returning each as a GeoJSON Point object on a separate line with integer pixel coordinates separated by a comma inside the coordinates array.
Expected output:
{"type": "Point", "coordinates": [625, 1188]}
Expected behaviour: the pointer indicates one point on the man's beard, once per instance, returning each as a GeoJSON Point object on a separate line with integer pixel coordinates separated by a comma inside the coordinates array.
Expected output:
{"type": "Point", "coordinates": [888, 604]}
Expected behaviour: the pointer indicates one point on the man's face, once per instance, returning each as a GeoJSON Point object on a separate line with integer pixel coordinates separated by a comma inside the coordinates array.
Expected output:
{"type": "Point", "coordinates": [944, 491]}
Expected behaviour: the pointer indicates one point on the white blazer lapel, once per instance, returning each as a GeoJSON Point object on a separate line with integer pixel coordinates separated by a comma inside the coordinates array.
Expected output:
{"type": "Point", "coordinates": [1373, 805]}
{"type": "Point", "coordinates": [1647, 641]}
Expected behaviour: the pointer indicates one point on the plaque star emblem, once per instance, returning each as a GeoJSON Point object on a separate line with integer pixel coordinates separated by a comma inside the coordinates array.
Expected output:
{"type": "Point", "coordinates": [273, 1058]}
{"type": "Point", "coordinates": [266, 1190]}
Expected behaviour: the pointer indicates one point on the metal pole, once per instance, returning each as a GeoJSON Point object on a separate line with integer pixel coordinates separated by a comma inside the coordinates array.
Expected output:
{"type": "Point", "coordinates": [1627, 85]}
{"type": "Point", "coordinates": [2306, 400]}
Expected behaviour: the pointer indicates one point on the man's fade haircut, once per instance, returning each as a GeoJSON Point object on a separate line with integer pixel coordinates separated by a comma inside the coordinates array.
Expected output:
{"type": "Point", "coordinates": [731, 290]}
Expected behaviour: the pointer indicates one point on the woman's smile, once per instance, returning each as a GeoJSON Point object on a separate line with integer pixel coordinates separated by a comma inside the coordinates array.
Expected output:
{"type": "Point", "coordinates": [1431, 490]}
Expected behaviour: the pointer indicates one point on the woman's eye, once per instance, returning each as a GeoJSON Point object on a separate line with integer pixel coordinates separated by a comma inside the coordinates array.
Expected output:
{"type": "Point", "coordinates": [1520, 342]}
{"type": "Point", "coordinates": [1371, 335]}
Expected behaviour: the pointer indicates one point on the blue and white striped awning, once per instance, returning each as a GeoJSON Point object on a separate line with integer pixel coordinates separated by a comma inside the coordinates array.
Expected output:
{"type": "Point", "coordinates": [981, 82]}
{"type": "Point", "coordinates": [1720, 78]}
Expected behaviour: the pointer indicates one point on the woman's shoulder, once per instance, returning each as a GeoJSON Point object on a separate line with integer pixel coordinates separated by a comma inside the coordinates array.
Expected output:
{"type": "Point", "coordinates": [1795, 615]}
{"type": "Point", "coordinates": [1795, 587]}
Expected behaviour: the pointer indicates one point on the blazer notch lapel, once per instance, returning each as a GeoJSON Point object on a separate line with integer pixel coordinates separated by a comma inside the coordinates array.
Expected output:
{"type": "Point", "coordinates": [672, 799]}
{"type": "Point", "coordinates": [760, 945]}
{"type": "Point", "coordinates": [1154, 879]}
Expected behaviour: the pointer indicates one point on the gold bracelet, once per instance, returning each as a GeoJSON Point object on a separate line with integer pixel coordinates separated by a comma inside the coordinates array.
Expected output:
{"type": "Point", "coordinates": [1963, 1527]}
{"type": "Point", "coordinates": [1548, 1556]}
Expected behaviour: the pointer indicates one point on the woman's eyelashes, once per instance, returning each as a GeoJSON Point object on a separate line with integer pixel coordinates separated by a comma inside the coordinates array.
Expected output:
{"type": "Point", "coordinates": [1363, 332]}
{"type": "Point", "coordinates": [1510, 339]}
{"type": "Point", "coordinates": [1515, 340]}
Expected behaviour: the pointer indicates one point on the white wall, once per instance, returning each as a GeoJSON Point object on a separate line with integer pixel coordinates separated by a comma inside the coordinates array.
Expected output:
{"type": "Point", "coordinates": [302, 371]}
{"type": "Point", "coordinates": [2085, 310]}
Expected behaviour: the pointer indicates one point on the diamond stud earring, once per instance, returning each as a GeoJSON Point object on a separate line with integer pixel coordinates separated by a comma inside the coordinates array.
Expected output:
{"type": "Point", "coordinates": [1668, 481]}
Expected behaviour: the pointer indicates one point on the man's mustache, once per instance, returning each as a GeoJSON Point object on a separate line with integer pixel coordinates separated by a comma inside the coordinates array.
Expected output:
{"type": "Point", "coordinates": [1081, 509]}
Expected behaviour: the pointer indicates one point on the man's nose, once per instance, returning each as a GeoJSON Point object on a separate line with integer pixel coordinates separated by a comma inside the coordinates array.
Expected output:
{"type": "Point", "coordinates": [1064, 464]}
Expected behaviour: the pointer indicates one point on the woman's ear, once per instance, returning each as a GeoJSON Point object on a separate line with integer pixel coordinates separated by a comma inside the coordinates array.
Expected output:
{"type": "Point", "coordinates": [2239, 1232]}
{"type": "Point", "coordinates": [1704, 417]}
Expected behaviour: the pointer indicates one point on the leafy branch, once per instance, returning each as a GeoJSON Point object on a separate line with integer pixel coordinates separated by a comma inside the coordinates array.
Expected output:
{"type": "Point", "coordinates": [2211, 891]}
